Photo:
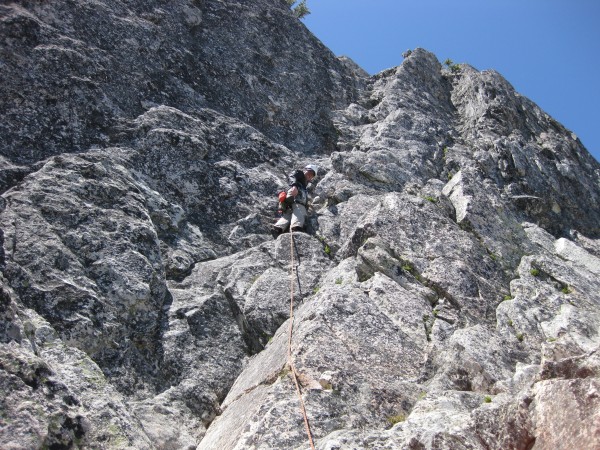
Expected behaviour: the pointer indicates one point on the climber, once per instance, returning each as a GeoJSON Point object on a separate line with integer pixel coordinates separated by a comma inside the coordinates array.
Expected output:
{"type": "Point", "coordinates": [293, 202]}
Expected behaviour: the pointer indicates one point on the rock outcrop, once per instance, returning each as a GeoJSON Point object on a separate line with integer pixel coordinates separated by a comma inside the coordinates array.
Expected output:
{"type": "Point", "coordinates": [446, 291]}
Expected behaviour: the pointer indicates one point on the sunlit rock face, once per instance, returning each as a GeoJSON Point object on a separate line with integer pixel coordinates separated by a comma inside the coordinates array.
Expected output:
{"type": "Point", "coordinates": [446, 288]}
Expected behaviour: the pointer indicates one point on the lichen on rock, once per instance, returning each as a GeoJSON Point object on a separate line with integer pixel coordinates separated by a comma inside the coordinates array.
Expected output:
{"type": "Point", "coordinates": [446, 287]}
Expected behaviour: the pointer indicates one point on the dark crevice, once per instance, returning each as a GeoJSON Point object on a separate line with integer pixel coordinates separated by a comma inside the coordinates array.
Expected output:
{"type": "Point", "coordinates": [12, 177]}
{"type": "Point", "coordinates": [249, 334]}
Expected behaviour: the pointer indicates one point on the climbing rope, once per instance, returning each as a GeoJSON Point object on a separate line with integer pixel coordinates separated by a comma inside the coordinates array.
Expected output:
{"type": "Point", "coordinates": [290, 359]}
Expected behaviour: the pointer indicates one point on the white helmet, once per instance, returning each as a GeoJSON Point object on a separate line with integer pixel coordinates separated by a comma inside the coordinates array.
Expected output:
{"type": "Point", "coordinates": [312, 167]}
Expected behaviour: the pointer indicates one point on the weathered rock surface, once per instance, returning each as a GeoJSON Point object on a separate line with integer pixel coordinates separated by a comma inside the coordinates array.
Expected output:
{"type": "Point", "coordinates": [75, 73]}
{"type": "Point", "coordinates": [446, 293]}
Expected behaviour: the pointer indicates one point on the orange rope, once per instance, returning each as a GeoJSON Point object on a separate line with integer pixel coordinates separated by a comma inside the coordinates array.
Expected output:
{"type": "Point", "coordinates": [290, 359]}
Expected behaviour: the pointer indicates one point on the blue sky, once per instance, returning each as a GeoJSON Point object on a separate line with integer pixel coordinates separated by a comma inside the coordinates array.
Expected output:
{"type": "Point", "coordinates": [549, 50]}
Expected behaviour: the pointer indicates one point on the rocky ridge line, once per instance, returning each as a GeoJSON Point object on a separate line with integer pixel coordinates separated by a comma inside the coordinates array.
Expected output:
{"type": "Point", "coordinates": [447, 290]}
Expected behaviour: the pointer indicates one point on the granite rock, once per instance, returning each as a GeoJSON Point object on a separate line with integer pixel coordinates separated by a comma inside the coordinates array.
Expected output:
{"type": "Point", "coordinates": [445, 290]}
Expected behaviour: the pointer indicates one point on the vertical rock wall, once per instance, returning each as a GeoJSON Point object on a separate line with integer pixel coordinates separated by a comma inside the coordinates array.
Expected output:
{"type": "Point", "coordinates": [446, 288]}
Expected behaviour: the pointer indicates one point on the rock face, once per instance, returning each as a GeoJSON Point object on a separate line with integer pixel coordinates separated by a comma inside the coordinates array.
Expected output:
{"type": "Point", "coordinates": [75, 73]}
{"type": "Point", "coordinates": [446, 292]}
